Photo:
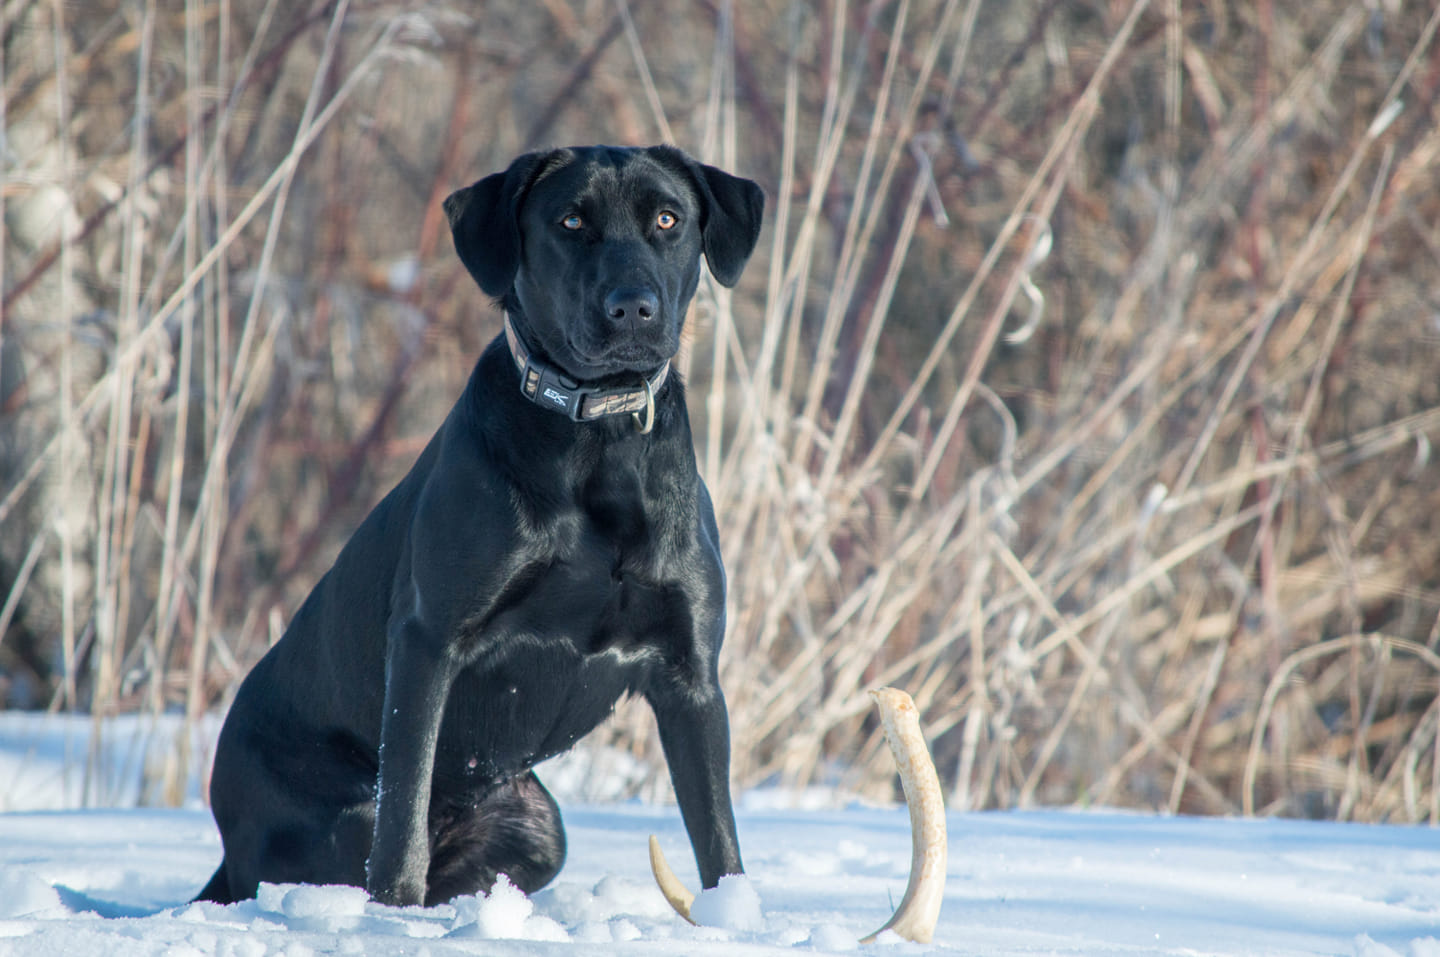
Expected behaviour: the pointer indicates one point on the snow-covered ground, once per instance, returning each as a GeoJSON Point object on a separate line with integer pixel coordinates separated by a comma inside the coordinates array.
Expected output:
{"type": "Point", "coordinates": [116, 882]}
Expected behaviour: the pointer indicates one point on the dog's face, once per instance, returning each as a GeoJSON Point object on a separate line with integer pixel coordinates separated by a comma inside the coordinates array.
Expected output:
{"type": "Point", "coordinates": [595, 252]}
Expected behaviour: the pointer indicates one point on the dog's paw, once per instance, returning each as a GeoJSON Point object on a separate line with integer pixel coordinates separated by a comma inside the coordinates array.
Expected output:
{"type": "Point", "coordinates": [399, 893]}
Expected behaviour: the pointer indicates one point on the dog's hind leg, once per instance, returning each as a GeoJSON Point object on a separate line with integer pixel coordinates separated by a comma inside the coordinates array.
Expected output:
{"type": "Point", "coordinates": [218, 890]}
{"type": "Point", "coordinates": [293, 805]}
{"type": "Point", "coordinates": [514, 830]}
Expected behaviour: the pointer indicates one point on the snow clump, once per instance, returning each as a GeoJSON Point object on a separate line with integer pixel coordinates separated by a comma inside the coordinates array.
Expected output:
{"type": "Point", "coordinates": [23, 894]}
{"type": "Point", "coordinates": [503, 914]}
{"type": "Point", "coordinates": [732, 904]}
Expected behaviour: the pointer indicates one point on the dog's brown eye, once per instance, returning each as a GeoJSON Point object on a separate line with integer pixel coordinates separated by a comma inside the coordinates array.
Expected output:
{"type": "Point", "coordinates": [667, 220]}
{"type": "Point", "coordinates": [573, 221]}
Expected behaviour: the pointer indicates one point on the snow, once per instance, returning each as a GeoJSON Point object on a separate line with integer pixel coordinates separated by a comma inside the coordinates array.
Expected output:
{"type": "Point", "coordinates": [117, 882]}
{"type": "Point", "coordinates": [733, 904]}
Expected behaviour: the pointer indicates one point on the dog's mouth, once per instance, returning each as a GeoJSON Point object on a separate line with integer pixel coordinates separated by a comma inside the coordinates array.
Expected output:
{"type": "Point", "coordinates": [618, 355]}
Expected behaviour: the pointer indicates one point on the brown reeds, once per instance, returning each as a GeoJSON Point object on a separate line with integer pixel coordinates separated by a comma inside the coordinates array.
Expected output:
{"type": "Point", "coordinates": [1084, 385]}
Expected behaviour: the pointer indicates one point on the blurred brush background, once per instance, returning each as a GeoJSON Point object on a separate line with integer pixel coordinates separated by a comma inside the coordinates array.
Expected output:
{"type": "Point", "coordinates": [1085, 383]}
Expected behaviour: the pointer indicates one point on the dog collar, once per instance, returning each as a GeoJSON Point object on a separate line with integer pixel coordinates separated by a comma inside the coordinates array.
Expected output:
{"type": "Point", "coordinates": [550, 389]}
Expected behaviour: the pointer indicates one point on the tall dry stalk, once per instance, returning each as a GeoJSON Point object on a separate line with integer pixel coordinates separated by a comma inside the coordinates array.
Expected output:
{"type": "Point", "coordinates": [123, 399]}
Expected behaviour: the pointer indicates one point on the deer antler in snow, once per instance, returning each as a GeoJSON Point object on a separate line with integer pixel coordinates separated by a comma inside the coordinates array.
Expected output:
{"type": "Point", "coordinates": [915, 918]}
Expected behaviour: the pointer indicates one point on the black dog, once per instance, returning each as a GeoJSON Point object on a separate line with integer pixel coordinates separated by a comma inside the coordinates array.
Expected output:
{"type": "Point", "coordinates": [552, 549]}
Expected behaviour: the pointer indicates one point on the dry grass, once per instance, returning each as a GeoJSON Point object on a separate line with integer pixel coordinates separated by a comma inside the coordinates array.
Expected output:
{"type": "Point", "coordinates": [1084, 384]}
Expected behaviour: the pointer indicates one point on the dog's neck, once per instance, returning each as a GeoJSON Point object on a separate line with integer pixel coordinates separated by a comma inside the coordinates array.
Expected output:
{"type": "Point", "coordinates": [551, 389]}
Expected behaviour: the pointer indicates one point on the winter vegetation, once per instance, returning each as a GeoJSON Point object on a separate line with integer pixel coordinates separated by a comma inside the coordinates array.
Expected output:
{"type": "Point", "coordinates": [1084, 384]}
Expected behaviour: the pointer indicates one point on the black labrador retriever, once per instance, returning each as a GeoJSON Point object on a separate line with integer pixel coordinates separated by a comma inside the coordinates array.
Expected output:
{"type": "Point", "coordinates": [552, 549]}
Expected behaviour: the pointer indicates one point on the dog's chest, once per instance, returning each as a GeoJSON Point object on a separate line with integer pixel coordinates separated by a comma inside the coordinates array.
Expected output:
{"type": "Point", "coordinates": [548, 683]}
{"type": "Point", "coordinates": [580, 628]}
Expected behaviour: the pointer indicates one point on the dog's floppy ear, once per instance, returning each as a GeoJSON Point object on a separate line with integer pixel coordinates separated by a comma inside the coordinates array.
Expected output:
{"type": "Point", "coordinates": [484, 219]}
{"type": "Point", "coordinates": [731, 208]}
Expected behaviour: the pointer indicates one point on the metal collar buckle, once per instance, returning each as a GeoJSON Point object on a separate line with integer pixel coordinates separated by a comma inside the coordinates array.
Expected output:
{"type": "Point", "coordinates": [646, 424]}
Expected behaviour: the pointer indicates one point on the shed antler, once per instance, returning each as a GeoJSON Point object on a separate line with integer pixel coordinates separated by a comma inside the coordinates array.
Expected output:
{"type": "Point", "coordinates": [919, 909]}
{"type": "Point", "coordinates": [915, 918]}
{"type": "Point", "coordinates": [674, 891]}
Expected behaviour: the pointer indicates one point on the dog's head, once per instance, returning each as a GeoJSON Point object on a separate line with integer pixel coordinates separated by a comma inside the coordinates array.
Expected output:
{"type": "Point", "coordinates": [595, 251]}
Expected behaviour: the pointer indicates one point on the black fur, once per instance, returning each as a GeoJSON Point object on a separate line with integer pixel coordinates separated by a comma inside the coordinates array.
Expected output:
{"type": "Point", "coordinates": [528, 571]}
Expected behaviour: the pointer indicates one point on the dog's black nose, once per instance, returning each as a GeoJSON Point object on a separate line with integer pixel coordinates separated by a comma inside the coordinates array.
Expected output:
{"type": "Point", "coordinates": [631, 303]}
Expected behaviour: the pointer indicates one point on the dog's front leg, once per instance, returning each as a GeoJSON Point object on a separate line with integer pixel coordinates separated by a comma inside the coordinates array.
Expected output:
{"type": "Point", "coordinates": [417, 681]}
{"type": "Point", "coordinates": [695, 733]}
